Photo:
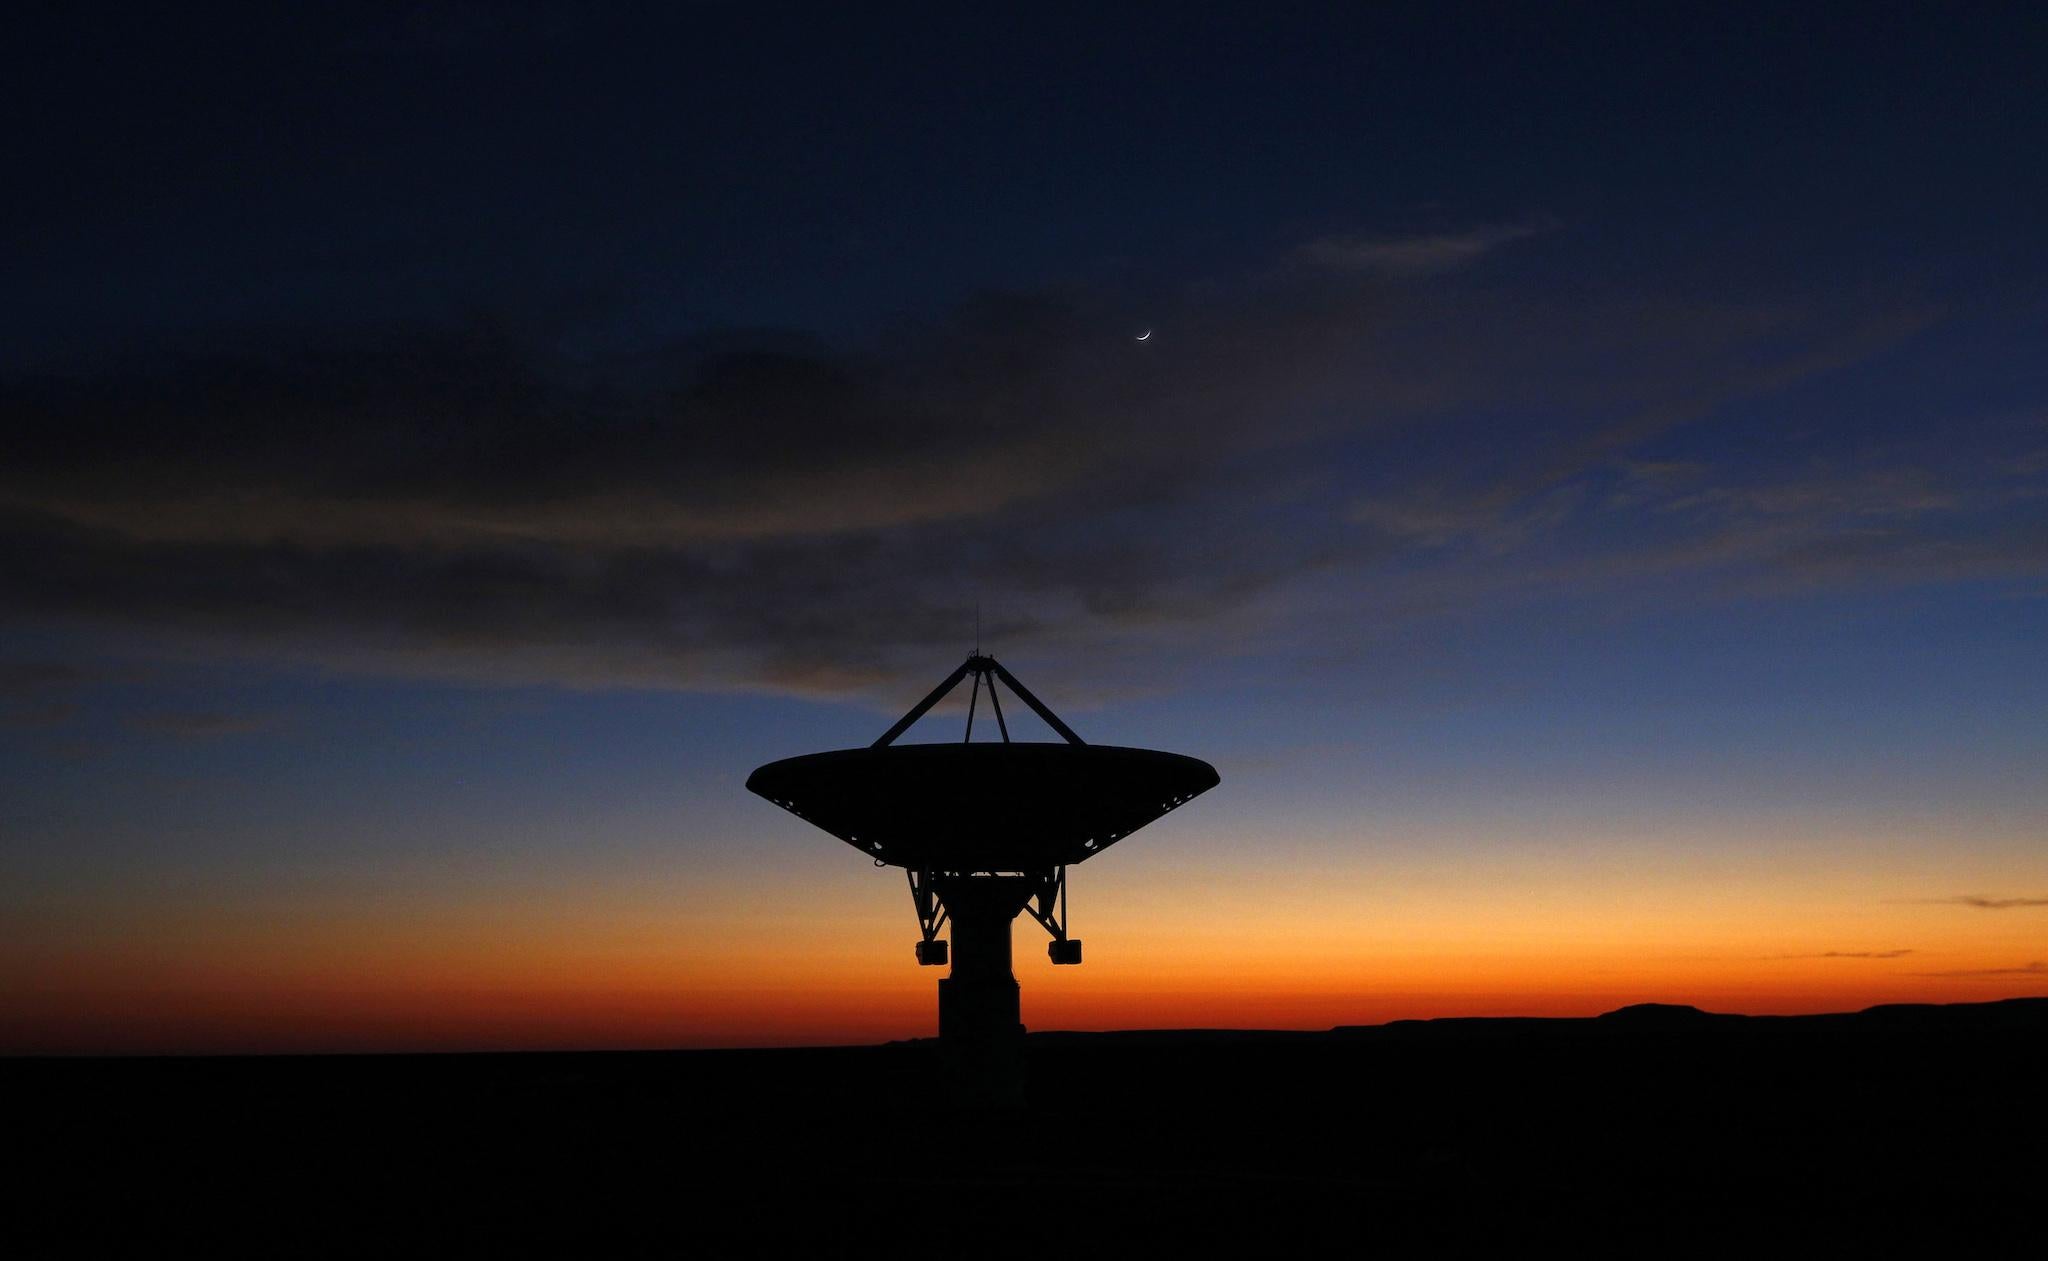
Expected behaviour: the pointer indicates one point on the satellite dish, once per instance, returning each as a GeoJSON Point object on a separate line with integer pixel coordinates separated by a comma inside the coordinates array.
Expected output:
{"type": "Point", "coordinates": [982, 807]}
{"type": "Point", "coordinates": [983, 831]}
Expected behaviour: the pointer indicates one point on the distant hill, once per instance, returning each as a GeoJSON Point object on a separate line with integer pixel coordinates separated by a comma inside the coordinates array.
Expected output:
{"type": "Point", "coordinates": [2013, 1013]}
{"type": "Point", "coordinates": [1417, 1131]}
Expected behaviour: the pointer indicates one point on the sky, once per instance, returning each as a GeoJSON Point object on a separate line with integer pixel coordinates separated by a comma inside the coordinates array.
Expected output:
{"type": "Point", "coordinates": [1585, 488]}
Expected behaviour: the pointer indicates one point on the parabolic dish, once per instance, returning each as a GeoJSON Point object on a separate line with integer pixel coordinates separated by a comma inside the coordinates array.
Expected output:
{"type": "Point", "coordinates": [982, 807]}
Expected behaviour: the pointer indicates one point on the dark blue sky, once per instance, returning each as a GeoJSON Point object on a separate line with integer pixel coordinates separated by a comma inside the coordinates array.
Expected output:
{"type": "Point", "coordinates": [633, 173]}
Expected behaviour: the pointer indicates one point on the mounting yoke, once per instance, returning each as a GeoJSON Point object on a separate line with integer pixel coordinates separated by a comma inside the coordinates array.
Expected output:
{"type": "Point", "coordinates": [1048, 898]}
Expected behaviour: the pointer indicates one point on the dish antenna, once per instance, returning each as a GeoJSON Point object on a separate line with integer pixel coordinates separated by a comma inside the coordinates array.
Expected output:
{"type": "Point", "coordinates": [983, 832]}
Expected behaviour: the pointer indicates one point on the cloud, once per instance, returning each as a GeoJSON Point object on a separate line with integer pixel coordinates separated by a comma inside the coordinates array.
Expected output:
{"type": "Point", "coordinates": [38, 695]}
{"type": "Point", "coordinates": [2036, 968]}
{"type": "Point", "coordinates": [1849, 954]}
{"type": "Point", "coordinates": [1983, 903]}
{"type": "Point", "coordinates": [767, 511]}
{"type": "Point", "coordinates": [200, 725]}
{"type": "Point", "coordinates": [1416, 255]}
{"type": "Point", "coordinates": [36, 716]}
{"type": "Point", "coordinates": [34, 679]}
{"type": "Point", "coordinates": [1888, 518]}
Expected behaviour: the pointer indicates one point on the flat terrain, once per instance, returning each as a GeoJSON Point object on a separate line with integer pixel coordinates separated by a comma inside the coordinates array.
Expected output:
{"type": "Point", "coordinates": [1649, 1129]}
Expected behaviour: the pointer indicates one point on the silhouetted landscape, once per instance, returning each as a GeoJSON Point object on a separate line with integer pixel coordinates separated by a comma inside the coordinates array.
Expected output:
{"type": "Point", "coordinates": [1685, 1123]}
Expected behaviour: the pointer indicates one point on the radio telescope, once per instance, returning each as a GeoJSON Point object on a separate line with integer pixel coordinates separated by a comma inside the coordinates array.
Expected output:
{"type": "Point", "coordinates": [983, 832]}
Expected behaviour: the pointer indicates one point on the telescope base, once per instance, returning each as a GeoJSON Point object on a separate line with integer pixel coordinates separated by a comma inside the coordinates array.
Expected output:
{"type": "Point", "coordinates": [981, 1027]}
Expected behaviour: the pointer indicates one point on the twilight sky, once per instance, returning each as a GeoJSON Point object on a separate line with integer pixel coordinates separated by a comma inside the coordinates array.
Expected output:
{"type": "Point", "coordinates": [1586, 490]}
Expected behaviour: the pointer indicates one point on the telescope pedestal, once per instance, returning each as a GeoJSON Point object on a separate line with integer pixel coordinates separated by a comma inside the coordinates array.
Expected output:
{"type": "Point", "coordinates": [981, 1030]}
{"type": "Point", "coordinates": [952, 816]}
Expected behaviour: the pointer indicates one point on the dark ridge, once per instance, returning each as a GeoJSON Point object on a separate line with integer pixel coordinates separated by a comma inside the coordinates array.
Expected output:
{"type": "Point", "coordinates": [1426, 1134]}
{"type": "Point", "coordinates": [2017, 1013]}
{"type": "Point", "coordinates": [1669, 1014]}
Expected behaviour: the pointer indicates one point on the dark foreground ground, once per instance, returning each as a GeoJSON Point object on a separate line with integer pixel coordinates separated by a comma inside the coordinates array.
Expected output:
{"type": "Point", "coordinates": [1647, 1131]}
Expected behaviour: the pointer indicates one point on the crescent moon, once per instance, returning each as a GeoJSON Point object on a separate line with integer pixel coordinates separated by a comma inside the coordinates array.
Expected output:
{"type": "Point", "coordinates": [1145, 336]}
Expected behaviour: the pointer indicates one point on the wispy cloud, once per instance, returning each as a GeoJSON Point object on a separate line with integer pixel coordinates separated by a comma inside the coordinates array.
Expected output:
{"type": "Point", "coordinates": [1982, 903]}
{"type": "Point", "coordinates": [2036, 968]}
{"type": "Point", "coordinates": [201, 725]}
{"type": "Point", "coordinates": [771, 512]}
{"type": "Point", "coordinates": [1848, 954]}
{"type": "Point", "coordinates": [40, 694]}
{"type": "Point", "coordinates": [36, 715]}
{"type": "Point", "coordinates": [19, 679]}
{"type": "Point", "coordinates": [1420, 254]}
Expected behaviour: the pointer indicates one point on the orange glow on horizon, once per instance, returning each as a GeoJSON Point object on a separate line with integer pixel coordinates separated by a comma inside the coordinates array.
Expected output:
{"type": "Point", "coordinates": [623, 970]}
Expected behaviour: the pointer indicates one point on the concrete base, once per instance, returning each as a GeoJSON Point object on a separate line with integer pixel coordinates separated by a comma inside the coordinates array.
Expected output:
{"type": "Point", "coordinates": [979, 1009]}
{"type": "Point", "coordinates": [981, 1029]}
